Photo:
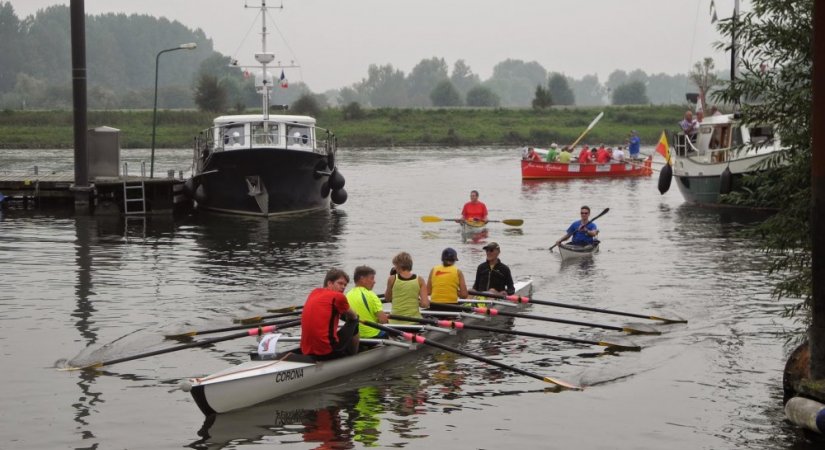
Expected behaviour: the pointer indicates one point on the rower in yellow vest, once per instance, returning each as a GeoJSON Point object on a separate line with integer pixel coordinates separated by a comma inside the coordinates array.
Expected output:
{"type": "Point", "coordinates": [446, 281]}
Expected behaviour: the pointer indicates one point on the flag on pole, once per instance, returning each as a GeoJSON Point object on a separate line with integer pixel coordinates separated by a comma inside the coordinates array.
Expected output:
{"type": "Point", "coordinates": [663, 148]}
{"type": "Point", "coordinates": [284, 82]}
{"type": "Point", "coordinates": [713, 17]}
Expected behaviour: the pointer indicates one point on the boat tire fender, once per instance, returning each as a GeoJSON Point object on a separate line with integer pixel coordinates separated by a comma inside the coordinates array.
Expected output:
{"type": "Point", "coordinates": [339, 196]}
{"type": "Point", "coordinates": [665, 177]}
{"type": "Point", "coordinates": [336, 180]}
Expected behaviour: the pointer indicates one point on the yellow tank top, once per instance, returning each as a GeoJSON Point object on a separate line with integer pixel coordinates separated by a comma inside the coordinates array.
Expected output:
{"type": "Point", "coordinates": [405, 298]}
{"type": "Point", "coordinates": [445, 284]}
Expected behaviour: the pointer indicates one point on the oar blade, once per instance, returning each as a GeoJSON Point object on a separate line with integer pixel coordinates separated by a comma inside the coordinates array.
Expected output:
{"type": "Point", "coordinates": [431, 219]}
{"type": "Point", "coordinates": [513, 222]}
{"type": "Point", "coordinates": [666, 320]}
{"type": "Point", "coordinates": [188, 334]}
{"type": "Point", "coordinates": [249, 320]}
{"type": "Point", "coordinates": [616, 347]}
{"type": "Point", "coordinates": [636, 328]}
{"type": "Point", "coordinates": [286, 309]}
{"type": "Point", "coordinates": [563, 384]}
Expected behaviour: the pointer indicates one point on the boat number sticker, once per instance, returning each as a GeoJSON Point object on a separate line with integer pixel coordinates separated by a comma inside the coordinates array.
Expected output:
{"type": "Point", "coordinates": [603, 168]}
{"type": "Point", "coordinates": [573, 168]}
{"type": "Point", "coordinates": [289, 375]}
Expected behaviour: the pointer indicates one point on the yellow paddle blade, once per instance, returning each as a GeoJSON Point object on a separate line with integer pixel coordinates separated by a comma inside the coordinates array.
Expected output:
{"type": "Point", "coordinates": [513, 222]}
{"type": "Point", "coordinates": [431, 219]}
{"type": "Point", "coordinates": [563, 384]}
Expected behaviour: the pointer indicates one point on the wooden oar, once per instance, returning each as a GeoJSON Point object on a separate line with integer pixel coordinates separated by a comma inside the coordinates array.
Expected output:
{"type": "Point", "coordinates": [496, 312]}
{"type": "Point", "coordinates": [589, 127]}
{"type": "Point", "coordinates": [520, 299]}
{"type": "Point", "coordinates": [511, 222]}
{"type": "Point", "coordinates": [462, 325]}
{"type": "Point", "coordinates": [193, 333]}
{"type": "Point", "coordinates": [203, 343]}
{"type": "Point", "coordinates": [283, 312]}
{"type": "Point", "coordinates": [422, 340]}
{"type": "Point", "coordinates": [605, 211]}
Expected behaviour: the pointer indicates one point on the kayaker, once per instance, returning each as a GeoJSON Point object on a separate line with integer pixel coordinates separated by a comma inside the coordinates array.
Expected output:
{"type": "Point", "coordinates": [320, 336]}
{"type": "Point", "coordinates": [446, 281]}
{"type": "Point", "coordinates": [583, 231]}
{"type": "Point", "coordinates": [493, 275]}
{"type": "Point", "coordinates": [365, 303]}
{"type": "Point", "coordinates": [474, 210]}
{"type": "Point", "coordinates": [405, 290]}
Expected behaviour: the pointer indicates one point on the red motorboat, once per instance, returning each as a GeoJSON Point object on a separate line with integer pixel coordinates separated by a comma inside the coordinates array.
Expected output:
{"type": "Point", "coordinates": [537, 170]}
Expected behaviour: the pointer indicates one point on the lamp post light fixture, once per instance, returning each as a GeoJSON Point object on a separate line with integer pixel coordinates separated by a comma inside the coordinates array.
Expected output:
{"type": "Point", "coordinates": [189, 46]}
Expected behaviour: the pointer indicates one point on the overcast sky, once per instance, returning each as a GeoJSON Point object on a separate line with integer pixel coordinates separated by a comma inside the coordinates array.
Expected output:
{"type": "Point", "coordinates": [335, 41]}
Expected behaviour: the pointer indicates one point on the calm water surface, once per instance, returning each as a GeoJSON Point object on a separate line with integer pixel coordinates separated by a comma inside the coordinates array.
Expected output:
{"type": "Point", "coordinates": [92, 288]}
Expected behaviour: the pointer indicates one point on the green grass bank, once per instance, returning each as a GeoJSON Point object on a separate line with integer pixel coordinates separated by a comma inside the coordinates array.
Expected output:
{"type": "Point", "coordinates": [380, 127]}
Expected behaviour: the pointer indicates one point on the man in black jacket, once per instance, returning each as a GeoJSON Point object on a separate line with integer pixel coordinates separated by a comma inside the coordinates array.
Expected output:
{"type": "Point", "coordinates": [492, 274]}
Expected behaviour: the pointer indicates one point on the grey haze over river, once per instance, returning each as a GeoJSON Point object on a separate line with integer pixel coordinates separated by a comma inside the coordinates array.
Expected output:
{"type": "Point", "coordinates": [72, 285]}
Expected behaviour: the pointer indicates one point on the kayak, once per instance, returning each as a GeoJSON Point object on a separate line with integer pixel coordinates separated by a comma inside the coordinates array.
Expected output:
{"type": "Point", "coordinates": [569, 251]}
{"type": "Point", "coordinates": [260, 380]}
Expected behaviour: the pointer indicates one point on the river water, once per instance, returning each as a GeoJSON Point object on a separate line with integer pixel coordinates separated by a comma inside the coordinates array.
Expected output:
{"type": "Point", "coordinates": [87, 288]}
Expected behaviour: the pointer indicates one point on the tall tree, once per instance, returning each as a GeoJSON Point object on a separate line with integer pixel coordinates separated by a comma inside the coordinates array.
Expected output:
{"type": "Point", "coordinates": [482, 96]}
{"type": "Point", "coordinates": [588, 90]}
{"type": "Point", "coordinates": [384, 86]}
{"type": "Point", "coordinates": [463, 78]}
{"type": "Point", "coordinates": [560, 90]}
{"type": "Point", "coordinates": [210, 95]}
{"type": "Point", "coordinates": [704, 77]}
{"type": "Point", "coordinates": [423, 79]}
{"type": "Point", "coordinates": [515, 81]}
{"type": "Point", "coordinates": [10, 46]}
{"type": "Point", "coordinates": [542, 98]}
{"type": "Point", "coordinates": [445, 94]}
{"type": "Point", "coordinates": [775, 41]}
{"type": "Point", "coordinates": [631, 93]}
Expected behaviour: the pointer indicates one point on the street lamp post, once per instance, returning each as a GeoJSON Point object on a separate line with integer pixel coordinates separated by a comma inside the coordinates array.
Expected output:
{"type": "Point", "coordinates": [189, 46]}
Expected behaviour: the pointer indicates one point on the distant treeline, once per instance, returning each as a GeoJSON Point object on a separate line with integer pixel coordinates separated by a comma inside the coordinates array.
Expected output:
{"type": "Point", "coordinates": [378, 127]}
{"type": "Point", "coordinates": [121, 49]}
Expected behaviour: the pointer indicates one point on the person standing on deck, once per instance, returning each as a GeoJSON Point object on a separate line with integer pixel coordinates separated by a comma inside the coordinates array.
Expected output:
{"type": "Point", "coordinates": [634, 144]}
{"type": "Point", "coordinates": [474, 210]}
{"type": "Point", "coordinates": [320, 336]}
{"type": "Point", "coordinates": [405, 290]}
{"type": "Point", "coordinates": [493, 275]}
{"type": "Point", "coordinates": [583, 231]}
{"type": "Point", "coordinates": [446, 282]}
{"type": "Point", "coordinates": [365, 303]}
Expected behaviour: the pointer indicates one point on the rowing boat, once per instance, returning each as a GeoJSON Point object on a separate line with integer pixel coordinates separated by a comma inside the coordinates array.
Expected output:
{"type": "Point", "coordinates": [542, 170]}
{"type": "Point", "coordinates": [570, 251]}
{"type": "Point", "coordinates": [261, 380]}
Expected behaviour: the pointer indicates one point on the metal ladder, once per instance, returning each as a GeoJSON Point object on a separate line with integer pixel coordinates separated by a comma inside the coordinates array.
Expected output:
{"type": "Point", "coordinates": [137, 201]}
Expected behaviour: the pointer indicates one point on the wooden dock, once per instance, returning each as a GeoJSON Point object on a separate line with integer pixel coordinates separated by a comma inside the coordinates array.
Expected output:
{"type": "Point", "coordinates": [107, 195]}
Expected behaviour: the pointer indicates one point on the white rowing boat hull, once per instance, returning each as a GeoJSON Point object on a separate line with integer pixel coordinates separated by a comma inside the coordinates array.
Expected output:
{"type": "Point", "coordinates": [258, 381]}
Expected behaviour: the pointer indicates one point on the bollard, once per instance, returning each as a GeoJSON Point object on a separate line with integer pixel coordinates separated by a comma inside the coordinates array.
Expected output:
{"type": "Point", "coordinates": [170, 173]}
